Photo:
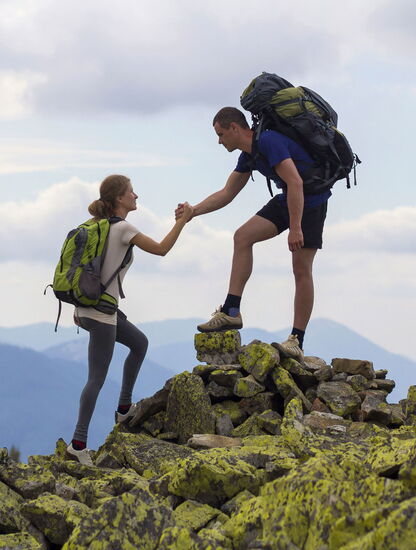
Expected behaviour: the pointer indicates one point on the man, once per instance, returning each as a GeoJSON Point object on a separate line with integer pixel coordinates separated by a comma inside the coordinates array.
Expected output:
{"type": "Point", "coordinates": [284, 161]}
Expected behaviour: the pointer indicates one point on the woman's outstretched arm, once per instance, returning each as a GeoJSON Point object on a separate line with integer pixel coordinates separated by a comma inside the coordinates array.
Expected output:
{"type": "Point", "coordinates": [161, 249]}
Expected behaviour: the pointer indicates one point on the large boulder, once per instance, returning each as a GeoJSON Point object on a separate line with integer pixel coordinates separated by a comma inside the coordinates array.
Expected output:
{"type": "Point", "coordinates": [188, 409]}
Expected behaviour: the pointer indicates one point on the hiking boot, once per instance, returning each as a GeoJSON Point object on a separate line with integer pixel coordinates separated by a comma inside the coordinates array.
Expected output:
{"type": "Point", "coordinates": [290, 348]}
{"type": "Point", "coordinates": [83, 457]}
{"type": "Point", "coordinates": [122, 418]}
{"type": "Point", "coordinates": [220, 322]}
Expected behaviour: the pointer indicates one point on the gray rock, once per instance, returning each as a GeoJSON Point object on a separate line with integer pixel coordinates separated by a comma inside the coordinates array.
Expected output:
{"type": "Point", "coordinates": [354, 366]}
{"type": "Point", "coordinates": [339, 397]}
{"type": "Point", "coordinates": [323, 374]}
{"type": "Point", "coordinates": [224, 425]}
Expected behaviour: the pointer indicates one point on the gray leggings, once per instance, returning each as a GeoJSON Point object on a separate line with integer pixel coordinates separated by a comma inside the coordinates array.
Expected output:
{"type": "Point", "coordinates": [100, 351]}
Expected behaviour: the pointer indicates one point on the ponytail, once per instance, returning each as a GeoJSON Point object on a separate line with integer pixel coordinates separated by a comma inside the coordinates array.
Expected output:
{"type": "Point", "coordinates": [112, 187]}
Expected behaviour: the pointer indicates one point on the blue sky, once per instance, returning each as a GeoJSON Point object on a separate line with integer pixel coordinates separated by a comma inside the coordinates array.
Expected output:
{"type": "Point", "coordinates": [88, 89]}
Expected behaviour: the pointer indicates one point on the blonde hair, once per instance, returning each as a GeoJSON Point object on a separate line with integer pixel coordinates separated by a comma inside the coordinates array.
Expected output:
{"type": "Point", "coordinates": [111, 187]}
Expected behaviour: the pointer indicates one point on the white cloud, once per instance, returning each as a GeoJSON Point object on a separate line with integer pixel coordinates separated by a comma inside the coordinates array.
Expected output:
{"type": "Point", "coordinates": [137, 57]}
{"type": "Point", "coordinates": [392, 231]}
{"type": "Point", "coordinates": [16, 92]}
{"type": "Point", "coordinates": [47, 156]}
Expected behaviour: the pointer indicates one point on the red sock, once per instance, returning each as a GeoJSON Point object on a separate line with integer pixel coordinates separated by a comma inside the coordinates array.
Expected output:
{"type": "Point", "coordinates": [122, 409]}
{"type": "Point", "coordinates": [78, 445]}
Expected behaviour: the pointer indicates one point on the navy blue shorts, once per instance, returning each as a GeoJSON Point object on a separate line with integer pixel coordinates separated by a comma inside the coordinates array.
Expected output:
{"type": "Point", "coordinates": [313, 220]}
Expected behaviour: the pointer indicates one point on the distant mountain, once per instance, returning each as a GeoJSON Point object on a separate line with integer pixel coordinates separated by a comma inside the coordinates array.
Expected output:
{"type": "Point", "coordinates": [37, 336]}
{"type": "Point", "coordinates": [39, 397]}
{"type": "Point", "coordinates": [41, 336]}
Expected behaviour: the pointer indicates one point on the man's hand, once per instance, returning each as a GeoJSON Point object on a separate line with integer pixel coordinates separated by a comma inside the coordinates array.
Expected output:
{"type": "Point", "coordinates": [295, 239]}
{"type": "Point", "coordinates": [184, 209]}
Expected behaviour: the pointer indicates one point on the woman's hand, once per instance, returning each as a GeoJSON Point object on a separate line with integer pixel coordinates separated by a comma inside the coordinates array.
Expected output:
{"type": "Point", "coordinates": [186, 212]}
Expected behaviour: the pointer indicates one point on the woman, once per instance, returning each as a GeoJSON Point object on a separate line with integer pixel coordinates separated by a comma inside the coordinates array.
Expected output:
{"type": "Point", "coordinates": [117, 199]}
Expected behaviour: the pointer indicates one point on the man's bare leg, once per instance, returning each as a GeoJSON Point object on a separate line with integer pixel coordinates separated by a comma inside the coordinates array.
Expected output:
{"type": "Point", "coordinates": [302, 262]}
{"type": "Point", "coordinates": [255, 230]}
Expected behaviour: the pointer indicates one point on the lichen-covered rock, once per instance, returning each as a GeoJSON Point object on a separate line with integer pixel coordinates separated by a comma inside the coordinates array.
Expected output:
{"type": "Point", "coordinates": [189, 409]}
{"type": "Point", "coordinates": [385, 385]}
{"type": "Point", "coordinates": [54, 516]}
{"type": "Point", "coordinates": [11, 519]}
{"type": "Point", "coordinates": [386, 455]}
{"type": "Point", "coordinates": [313, 363]}
{"type": "Point", "coordinates": [233, 505]}
{"type": "Point", "coordinates": [232, 409]}
{"type": "Point", "coordinates": [155, 424]}
{"type": "Point", "coordinates": [358, 382]}
{"type": "Point", "coordinates": [302, 507]}
{"type": "Point", "coordinates": [19, 541]}
{"type": "Point", "coordinates": [258, 359]}
{"type": "Point", "coordinates": [134, 520]}
{"type": "Point", "coordinates": [28, 481]}
{"type": "Point", "coordinates": [226, 378]}
{"type": "Point", "coordinates": [381, 373]}
{"type": "Point", "coordinates": [152, 456]}
{"type": "Point", "coordinates": [318, 405]}
{"type": "Point", "coordinates": [303, 377]}
{"type": "Point", "coordinates": [388, 528]}
{"type": "Point", "coordinates": [249, 427]}
{"type": "Point", "coordinates": [323, 374]}
{"type": "Point", "coordinates": [339, 396]}
{"type": "Point", "coordinates": [270, 421]}
{"type": "Point", "coordinates": [247, 387]}
{"type": "Point", "coordinates": [321, 420]}
{"type": "Point", "coordinates": [183, 538]}
{"type": "Point", "coordinates": [194, 515]}
{"type": "Point", "coordinates": [354, 366]}
{"type": "Point", "coordinates": [375, 408]}
{"type": "Point", "coordinates": [212, 477]}
{"type": "Point", "coordinates": [208, 441]}
{"type": "Point", "coordinates": [220, 348]}
{"type": "Point", "coordinates": [260, 402]}
{"type": "Point", "coordinates": [411, 402]}
{"type": "Point", "coordinates": [151, 405]}
{"type": "Point", "coordinates": [287, 387]}
{"type": "Point", "coordinates": [217, 392]}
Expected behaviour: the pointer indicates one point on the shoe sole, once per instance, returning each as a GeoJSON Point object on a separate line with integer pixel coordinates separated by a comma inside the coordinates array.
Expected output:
{"type": "Point", "coordinates": [221, 329]}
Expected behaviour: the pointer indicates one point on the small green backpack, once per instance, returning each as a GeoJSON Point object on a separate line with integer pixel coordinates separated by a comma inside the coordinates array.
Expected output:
{"type": "Point", "coordinates": [77, 278]}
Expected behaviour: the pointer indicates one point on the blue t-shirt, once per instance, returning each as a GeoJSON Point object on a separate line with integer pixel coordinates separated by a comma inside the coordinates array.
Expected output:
{"type": "Point", "coordinates": [275, 147]}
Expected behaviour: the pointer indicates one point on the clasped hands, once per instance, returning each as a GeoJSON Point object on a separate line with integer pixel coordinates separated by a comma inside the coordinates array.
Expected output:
{"type": "Point", "coordinates": [184, 210]}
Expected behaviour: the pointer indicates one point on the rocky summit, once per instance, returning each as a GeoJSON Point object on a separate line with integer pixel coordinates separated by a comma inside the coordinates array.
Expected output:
{"type": "Point", "coordinates": [251, 450]}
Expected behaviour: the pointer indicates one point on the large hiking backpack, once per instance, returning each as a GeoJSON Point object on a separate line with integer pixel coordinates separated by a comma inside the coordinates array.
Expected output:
{"type": "Point", "coordinates": [305, 117]}
{"type": "Point", "coordinates": [77, 278]}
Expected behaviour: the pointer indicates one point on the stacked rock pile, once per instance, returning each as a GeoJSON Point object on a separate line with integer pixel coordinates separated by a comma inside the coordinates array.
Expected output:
{"type": "Point", "coordinates": [249, 451]}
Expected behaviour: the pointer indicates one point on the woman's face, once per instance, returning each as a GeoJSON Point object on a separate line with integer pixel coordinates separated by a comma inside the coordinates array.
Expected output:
{"type": "Point", "coordinates": [128, 199]}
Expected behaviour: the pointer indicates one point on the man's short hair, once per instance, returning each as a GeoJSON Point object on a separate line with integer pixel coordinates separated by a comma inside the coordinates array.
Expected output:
{"type": "Point", "coordinates": [227, 115]}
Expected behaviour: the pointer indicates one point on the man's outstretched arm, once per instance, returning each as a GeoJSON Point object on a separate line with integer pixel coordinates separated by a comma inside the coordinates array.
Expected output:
{"type": "Point", "coordinates": [235, 183]}
{"type": "Point", "coordinates": [287, 171]}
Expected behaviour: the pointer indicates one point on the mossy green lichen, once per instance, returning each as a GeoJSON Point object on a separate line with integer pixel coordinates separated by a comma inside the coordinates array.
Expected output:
{"type": "Point", "coordinates": [133, 521]}
{"type": "Point", "coordinates": [212, 477]}
{"type": "Point", "coordinates": [189, 409]}
{"type": "Point", "coordinates": [19, 541]}
{"type": "Point", "coordinates": [247, 387]}
{"type": "Point", "coordinates": [258, 359]}
{"type": "Point", "coordinates": [54, 516]}
{"type": "Point", "coordinates": [194, 515]}
{"type": "Point", "coordinates": [228, 341]}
